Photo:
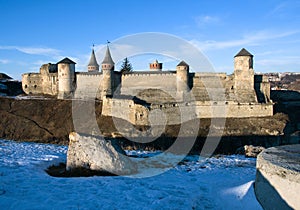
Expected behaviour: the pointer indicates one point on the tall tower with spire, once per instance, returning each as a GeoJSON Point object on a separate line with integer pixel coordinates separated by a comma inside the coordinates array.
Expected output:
{"type": "Point", "coordinates": [107, 68]}
{"type": "Point", "coordinates": [93, 66]}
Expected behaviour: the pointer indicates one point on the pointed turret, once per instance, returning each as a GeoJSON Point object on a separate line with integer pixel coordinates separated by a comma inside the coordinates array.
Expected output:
{"type": "Point", "coordinates": [93, 64]}
{"type": "Point", "coordinates": [108, 63]}
{"type": "Point", "coordinates": [107, 67]}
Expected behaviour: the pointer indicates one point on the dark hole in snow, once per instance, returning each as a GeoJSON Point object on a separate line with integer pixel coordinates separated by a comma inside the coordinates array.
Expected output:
{"type": "Point", "coordinates": [60, 171]}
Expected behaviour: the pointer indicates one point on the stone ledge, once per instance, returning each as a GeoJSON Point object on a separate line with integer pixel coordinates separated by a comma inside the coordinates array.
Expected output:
{"type": "Point", "coordinates": [278, 177]}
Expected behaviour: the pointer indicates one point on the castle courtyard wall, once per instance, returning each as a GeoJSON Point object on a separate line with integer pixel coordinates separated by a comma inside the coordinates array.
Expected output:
{"type": "Point", "coordinates": [133, 83]}
{"type": "Point", "coordinates": [88, 85]}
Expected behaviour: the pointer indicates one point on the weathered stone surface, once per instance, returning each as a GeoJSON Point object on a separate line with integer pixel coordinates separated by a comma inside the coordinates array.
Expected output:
{"type": "Point", "coordinates": [97, 154]}
{"type": "Point", "coordinates": [252, 151]}
{"type": "Point", "coordinates": [277, 184]}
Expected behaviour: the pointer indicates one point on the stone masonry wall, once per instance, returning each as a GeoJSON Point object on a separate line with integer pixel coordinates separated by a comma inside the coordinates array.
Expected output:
{"type": "Point", "coordinates": [31, 83]}
{"type": "Point", "coordinates": [132, 84]}
{"type": "Point", "coordinates": [49, 83]}
{"type": "Point", "coordinates": [88, 85]}
{"type": "Point", "coordinates": [176, 113]}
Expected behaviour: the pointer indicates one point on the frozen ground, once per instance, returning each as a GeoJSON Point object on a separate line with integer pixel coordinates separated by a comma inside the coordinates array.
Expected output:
{"type": "Point", "coordinates": [218, 183]}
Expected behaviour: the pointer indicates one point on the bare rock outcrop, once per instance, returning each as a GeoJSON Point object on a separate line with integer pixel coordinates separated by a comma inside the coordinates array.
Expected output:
{"type": "Point", "coordinates": [97, 154]}
{"type": "Point", "coordinates": [277, 183]}
{"type": "Point", "coordinates": [253, 151]}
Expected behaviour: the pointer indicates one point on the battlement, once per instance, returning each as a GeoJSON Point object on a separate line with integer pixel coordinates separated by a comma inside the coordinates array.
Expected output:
{"type": "Point", "coordinates": [210, 74]}
{"type": "Point", "coordinates": [148, 73]}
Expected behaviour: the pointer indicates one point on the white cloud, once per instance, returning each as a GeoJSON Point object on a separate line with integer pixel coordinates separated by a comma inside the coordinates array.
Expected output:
{"type": "Point", "coordinates": [285, 9]}
{"type": "Point", "coordinates": [38, 51]}
{"type": "Point", "coordinates": [248, 39]}
{"type": "Point", "coordinates": [265, 53]}
{"type": "Point", "coordinates": [4, 61]}
{"type": "Point", "coordinates": [277, 9]}
{"type": "Point", "coordinates": [283, 60]}
{"type": "Point", "coordinates": [33, 50]}
{"type": "Point", "coordinates": [205, 20]}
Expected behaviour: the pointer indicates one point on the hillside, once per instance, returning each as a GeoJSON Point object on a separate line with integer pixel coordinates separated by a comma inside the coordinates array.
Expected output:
{"type": "Point", "coordinates": [50, 121]}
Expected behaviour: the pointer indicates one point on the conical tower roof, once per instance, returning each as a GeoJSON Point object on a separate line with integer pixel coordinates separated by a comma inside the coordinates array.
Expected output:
{"type": "Point", "coordinates": [67, 61]}
{"type": "Point", "coordinates": [107, 59]}
{"type": "Point", "coordinates": [93, 60]}
{"type": "Point", "coordinates": [243, 52]}
{"type": "Point", "coordinates": [182, 63]}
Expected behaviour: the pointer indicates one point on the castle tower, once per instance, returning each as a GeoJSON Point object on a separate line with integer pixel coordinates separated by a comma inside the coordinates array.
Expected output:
{"type": "Point", "coordinates": [155, 66]}
{"type": "Point", "coordinates": [93, 66]}
{"type": "Point", "coordinates": [182, 75]}
{"type": "Point", "coordinates": [243, 70]}
{"type": "Point", "coordinates": [107, 68]}
{"type": "Point", "coordinates": [244, 76]}
{"type": "Point", "coordinates": [66, 78]}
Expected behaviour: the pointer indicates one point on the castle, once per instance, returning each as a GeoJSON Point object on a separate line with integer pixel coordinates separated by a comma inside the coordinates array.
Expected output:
{"type": "Point", "coordinates": [145, 97]}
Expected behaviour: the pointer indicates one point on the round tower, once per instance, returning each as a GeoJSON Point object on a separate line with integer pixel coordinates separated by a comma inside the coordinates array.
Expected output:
{"type": "Point", "coordinates": [107, 68]}
{"type": "Point", "coordinates": [155, 66]}
{"type": "Point", "coordinates": [243, 71]}
{"type": "Point", "coordinates": [66, 78]}
{"type": "Point", "coordinates": [182, 73]}
{"type": "Point", "coordinates": [93, 65]}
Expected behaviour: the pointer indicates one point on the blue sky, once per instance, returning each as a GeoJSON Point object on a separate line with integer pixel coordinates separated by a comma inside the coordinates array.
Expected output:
{"type": "Point", "coordinates": [36, 32]}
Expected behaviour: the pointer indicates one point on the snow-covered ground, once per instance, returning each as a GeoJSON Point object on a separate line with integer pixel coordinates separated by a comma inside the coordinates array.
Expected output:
{"type": "Point", "coordinates": [225, 182]}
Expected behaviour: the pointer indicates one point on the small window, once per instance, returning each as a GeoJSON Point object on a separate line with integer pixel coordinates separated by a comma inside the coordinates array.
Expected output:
{"type": "Point", "coordinates": [35, 86]}
{"type": "Point", "coordinates": [25, 86]}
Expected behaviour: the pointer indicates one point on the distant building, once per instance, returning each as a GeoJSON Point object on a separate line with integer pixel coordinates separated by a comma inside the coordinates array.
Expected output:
{"type": "Point", "coordinates": [8, 86]}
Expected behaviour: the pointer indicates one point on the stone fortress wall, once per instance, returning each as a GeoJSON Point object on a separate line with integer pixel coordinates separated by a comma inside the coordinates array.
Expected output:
{"type": "Point", "coordinates": [90, 82]}
{"type": "Point", "coordinates": [177, 112]}
{"type": "Point", "coordinates": [45, 82]}
{"type": "Point", "coordinates": [174, 96]}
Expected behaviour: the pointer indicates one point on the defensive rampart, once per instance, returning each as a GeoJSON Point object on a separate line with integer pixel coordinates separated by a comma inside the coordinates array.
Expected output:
{"type": "Point", "coordinates": [176, 113]}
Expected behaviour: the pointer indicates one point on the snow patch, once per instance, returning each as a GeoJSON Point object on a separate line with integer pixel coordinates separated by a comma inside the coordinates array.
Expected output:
{"type": "Point", "coordinates": [224, 182]}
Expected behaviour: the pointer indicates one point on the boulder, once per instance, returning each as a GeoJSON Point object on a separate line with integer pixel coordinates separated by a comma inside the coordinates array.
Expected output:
{"type": "Point", "coordinates": [97, 154]}
{"type": "Point", "coordinates": [252, 151]}
{"type": "Point", "coordinates": [277, 183]}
